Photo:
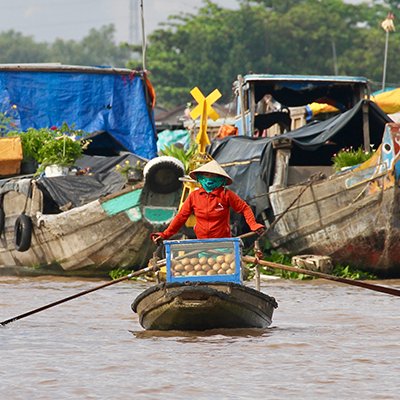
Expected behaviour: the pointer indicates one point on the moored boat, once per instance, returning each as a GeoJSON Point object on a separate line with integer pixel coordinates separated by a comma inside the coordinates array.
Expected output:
{"type": "Point", "coordinates": [107, 232]}
{"type": "Point", "coordinates": [350, 215]}
{"type": "Point", "coordinates": [92, 220]}
{"type": "Point", "coordinates": [203, 290]}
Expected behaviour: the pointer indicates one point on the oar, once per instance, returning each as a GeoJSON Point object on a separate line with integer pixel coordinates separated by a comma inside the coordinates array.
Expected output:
{"type": "Point", "coordinates": [365, 285]}
{"type": "Point", "coordinates": [36, 310]}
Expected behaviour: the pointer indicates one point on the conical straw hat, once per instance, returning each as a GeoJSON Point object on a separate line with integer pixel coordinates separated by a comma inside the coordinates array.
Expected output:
{"type": "Point", "coordinates": [213, 168]}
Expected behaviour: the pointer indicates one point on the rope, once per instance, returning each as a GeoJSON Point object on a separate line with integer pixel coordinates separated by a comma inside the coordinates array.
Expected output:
{"type": "Point", "coordinates": [312, 179]}
{"type": "Point", "coordinates": [28, 195]}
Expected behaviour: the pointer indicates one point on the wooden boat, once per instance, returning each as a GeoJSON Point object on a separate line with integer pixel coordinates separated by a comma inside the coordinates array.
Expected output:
{"type": "Point", "coordinates": [205, 299]}
{"type": "Point", "coordinates": [203, 305]}
{"type": "Point", "coordinates": [90, 224]}
{"type": "Point", "coordinates": [89, 240]}
{"type": "Point", "coordinates": [351, 215]}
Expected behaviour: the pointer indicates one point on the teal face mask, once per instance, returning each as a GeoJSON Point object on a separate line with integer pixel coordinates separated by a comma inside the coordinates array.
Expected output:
{"type": "Point", "coordinates": [211, 183]}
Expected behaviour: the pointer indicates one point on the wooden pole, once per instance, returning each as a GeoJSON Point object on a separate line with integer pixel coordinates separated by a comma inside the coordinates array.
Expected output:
{"type": "Point", "coordinates": [364, 285]}
{"type": "Point", "coordinates": [36, 310]}
{"type": "Point", "coordinates": [385, 60]}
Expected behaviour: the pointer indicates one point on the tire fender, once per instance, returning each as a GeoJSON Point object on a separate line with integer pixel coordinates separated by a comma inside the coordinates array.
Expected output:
{"type": "Point", "coordinates": [162, 174]}
{"type": "Point", "coordinates": [23, 233]}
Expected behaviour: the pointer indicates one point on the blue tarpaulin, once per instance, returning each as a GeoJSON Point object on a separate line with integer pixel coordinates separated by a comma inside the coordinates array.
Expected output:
{"type": "Point", "coordinates": [90, 101]}
{"type": "Point", "coordinates": [168, 137]}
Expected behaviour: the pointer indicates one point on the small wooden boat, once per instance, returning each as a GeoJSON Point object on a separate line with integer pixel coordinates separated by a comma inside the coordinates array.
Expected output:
{"type": "Point", "coordinates": [200, 302]}
{"type": "Point", "coordinates": [202, 305]}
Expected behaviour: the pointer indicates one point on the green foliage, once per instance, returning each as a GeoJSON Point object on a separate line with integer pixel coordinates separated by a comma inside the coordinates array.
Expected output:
{"type": "Point", "coordinates": [280, 258]}
{"type": "Point", "coordinates": [127, 170]}
{"type": "Point", "coordinates": [210, 48]}
{"type": "Point", "coordinates": [185, 156]}
{"type": "Point", "coordinates": [51, 145]}
{"type": "Point", "coordinates": [61, 151]}
{"type": "Point", "coordinates": [202, 50]}
{"type": "Point", "coordinates": [349, 157]}
{"type": "Point", "coordinates": [33, 140]}
{"type": "Point", "coordinates": [5, 122]}
{"type": "Point", "coordinates": [347, 271]}
{"type": "Point", "coordinates": [351, 273]}
{"type": "Point", "coordinates": [119, 273]}
{"type": "Point", "coordinates": [97, 48]}
{"type": "Point", "coordinates": [16, 48]}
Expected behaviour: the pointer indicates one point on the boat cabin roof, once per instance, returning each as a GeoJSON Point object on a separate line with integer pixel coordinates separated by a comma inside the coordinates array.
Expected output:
{"type": "Point", "coordinates": [300, 90]}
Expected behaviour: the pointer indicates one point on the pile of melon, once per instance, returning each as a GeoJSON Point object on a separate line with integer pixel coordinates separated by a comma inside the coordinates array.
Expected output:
{"type": "Point", "coordinates": [220, 265]}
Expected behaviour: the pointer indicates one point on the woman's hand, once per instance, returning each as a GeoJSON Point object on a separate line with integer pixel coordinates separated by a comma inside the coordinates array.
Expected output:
{"type": "Point", "coordinates": [156, 238]}
{"type": "Point", "coordinates": [260, 231]}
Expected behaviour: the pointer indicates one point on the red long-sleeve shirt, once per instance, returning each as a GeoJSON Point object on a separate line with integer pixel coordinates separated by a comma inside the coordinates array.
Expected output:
{"type": "Point", "coordinates": [212, 213]}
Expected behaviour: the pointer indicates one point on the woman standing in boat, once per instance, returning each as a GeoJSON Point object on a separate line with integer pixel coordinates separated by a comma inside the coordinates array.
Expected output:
{"type": "Point", "coordinates": [211, 205]}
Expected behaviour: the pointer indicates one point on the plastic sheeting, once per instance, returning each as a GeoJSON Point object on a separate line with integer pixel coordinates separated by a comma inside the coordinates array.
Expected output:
{"type": "Point", "coordinates": [92, 102]}
{"type": "Point", "coordinates": [79, 190]}
{"type": "Point", "coordinates": [168, 137]}
{"type": "Point", "coordinates": [388, 101]}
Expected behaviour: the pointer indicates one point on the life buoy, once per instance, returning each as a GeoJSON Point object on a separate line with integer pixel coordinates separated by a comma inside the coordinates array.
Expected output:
{"type": "Point", "coordinates": [2, 221]}
{"type": "Point", "coordinates": [23, 233]}
{"type": "Point", "coordinates": [162, 174]}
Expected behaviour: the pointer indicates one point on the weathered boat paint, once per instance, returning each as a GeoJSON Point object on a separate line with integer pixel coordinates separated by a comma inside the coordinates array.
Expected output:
{"type": "Point", "coordinates": [203, 306]}
{"type": "Point", "coordinates": [353, 216]}
{"type": "Point", "coordinates": [121, 203]}
{"type": "Point", "coordinates": [89, 240]}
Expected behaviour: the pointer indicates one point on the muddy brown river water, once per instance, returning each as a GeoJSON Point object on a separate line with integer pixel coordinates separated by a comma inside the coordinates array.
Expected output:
{"type": "Point", "coordinates": [327, 341]}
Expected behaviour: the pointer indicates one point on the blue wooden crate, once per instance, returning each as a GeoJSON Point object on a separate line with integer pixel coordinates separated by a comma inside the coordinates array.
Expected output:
{"type": "Point", "coordinates": [204, 260]}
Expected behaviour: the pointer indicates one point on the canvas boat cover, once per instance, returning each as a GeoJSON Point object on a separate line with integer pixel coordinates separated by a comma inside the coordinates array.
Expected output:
{"type": "Point", "coordinates": [88, 98]}
{"type": "Point", "coordinates": [249, 161]}
{"type": "Point", "coordinates": [388, 100]}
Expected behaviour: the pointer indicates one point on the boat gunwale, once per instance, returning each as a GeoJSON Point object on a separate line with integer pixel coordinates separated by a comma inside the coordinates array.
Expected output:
{"type": "Point", "coordinates": [164, 286]}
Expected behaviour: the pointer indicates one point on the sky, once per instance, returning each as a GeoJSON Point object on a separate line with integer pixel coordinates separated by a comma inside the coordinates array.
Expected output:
{"type": "Point", "coordinates": [47, 20]}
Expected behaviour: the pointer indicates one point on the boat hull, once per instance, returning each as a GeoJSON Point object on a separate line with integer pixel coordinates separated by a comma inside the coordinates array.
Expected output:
{"type": "Point", "coordinates": [203, 306]}
{"type": "Point", "coordinates": [355, 224]}
{"type": "Point", "coordinates": [90, 240]}
{"type": "Point", "coordinates": [353, 215]}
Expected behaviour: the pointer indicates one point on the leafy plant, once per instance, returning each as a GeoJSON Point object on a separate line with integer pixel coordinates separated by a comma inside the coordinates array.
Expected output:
{"type": "Point", "coordinates": [347, 271]}
{"type": "Point", "coordinates": [33, 140]}
{"type": "Point", "coordinates": [349, 157]}
{"type": "Point", "coordinates": [181, 154]}
{"type": "Point", "coordinates": [61, 151]}
{"type": "Point", "coordinates": [351, 272]}
{"type": "Point", "coordinates": [5, 123]}
{"type": "Point", "coordinates": [127, 169]}
{"type": "Point", "coordinates": [118, 273]}
{"type": "Point", "coordinates": [53, 145]}
{"type": "Point", "coordinates": [284, 259]}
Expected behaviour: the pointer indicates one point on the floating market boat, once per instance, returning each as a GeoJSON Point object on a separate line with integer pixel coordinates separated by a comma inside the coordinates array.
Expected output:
{"type": "Point", "coordinates": [203, 290]}
{"type": "Point", "coordinates": [87, 223]}
{"type": "Point", "coordinates": [351, 215]}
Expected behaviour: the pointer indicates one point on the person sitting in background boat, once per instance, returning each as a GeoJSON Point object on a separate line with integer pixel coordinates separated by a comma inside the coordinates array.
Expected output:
{"type": "Point", "coordinates": [211, 205]}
